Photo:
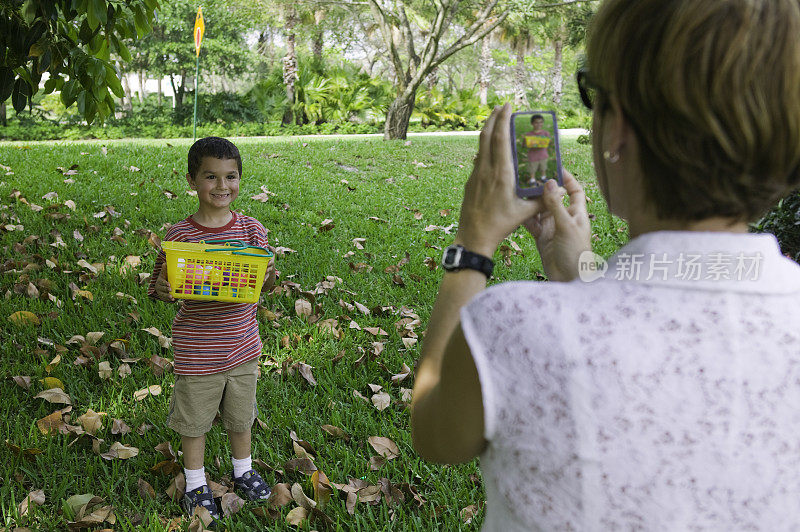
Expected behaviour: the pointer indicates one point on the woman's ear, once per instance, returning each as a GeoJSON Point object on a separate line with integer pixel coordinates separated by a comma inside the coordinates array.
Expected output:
{"type": "Point", "coordinates": [619, 131]}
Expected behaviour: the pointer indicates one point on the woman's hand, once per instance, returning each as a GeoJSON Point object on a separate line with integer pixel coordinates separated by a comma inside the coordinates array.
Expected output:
{"type": "Point", "coordinates": [561, 233]}
{"type": "Point", "coordinates": [491, 209]}
{"type": "Point", "coordinates": [162, 286]}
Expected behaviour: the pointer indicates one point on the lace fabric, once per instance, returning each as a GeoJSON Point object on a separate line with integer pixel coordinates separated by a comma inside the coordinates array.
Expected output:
{"type": "Point", "coordinates": [660, 404]}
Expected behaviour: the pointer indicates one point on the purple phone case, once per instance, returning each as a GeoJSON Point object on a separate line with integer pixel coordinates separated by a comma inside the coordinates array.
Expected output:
{"type": "Point", "coordinates": [534, 192]}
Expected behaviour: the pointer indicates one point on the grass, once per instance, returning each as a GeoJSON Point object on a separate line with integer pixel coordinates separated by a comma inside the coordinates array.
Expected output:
{"type": "Point", "coordinates": [346, 180]}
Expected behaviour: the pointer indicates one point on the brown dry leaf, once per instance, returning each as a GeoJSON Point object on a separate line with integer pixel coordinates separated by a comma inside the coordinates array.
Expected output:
{"type": "Point", "coordinates": [23, 317]}
{"type": "Point", "coordinates": [146, 491]}
{"type": "Point", "coordinates": [303, 465]}
{"type": "Point", "coordinates": [177, 487]}
{"type": "Point", "coordinates": [123, 370]}
{"type": "Point", "coordinates": [104, 370]}
{"type": "Point", "coordinates": [23, 381]}
{"type": "Point", "coordinates": [119, 427]}
{"type": "Point", "coordinates": [376, 462]}
{"type": "Point", "coordinates": [408, 342]}
{"type": "Point", "coordinates": [381, 400]}
{"type": "Point", "coordinates": [91, 421]}
{"type": "Point", "coordinates": [118, 450]}
{"type": "Point", "coordinates": [165, 448]}
{"type": "Point", "coordinates": [55, 396]}
{"type": "Point", "coordinates": [296, 516]}
{"type": "Point", "coordinates": [281, 495]}
{"type": "Point", "coordinates": [356, 393]}
{"type": "Point", "coordinates": [34, 499]}
{"type": "Point", "coordinates": [444, 212]}
{"type": "Point", "coordinates": [384, 447]}
{"type": "Point", "coordinates": [305, 372]}
{"type": "Point", "coordinates": [53, 423]}
{"type": "Point", "coordinates": [301, 498]}
{"type": "Point", "coordinates": [153, 389]}
{"type": "Point", "coordinates": [359, 242]}
{"type": "Point", "coordinates": [405, 394]}
{"type": "Point", "coordinates": [322, 488]}
{"type": "Point", "coordinates": [300, 451]}
{"type": "Point", "coordinates": [302, 307]}
{"type": "Point", "coordinates": [375, 387]}
{"type": "Point", "coordinates": [369, 494]}
{"type": "Point", "coordinates": [361, 308]}
{"type": "Point", "coordinates": [327, 225]}
{"type": "Point", "coordinates": [330, 326]}
{"type": "Point", "coordinates": [376, 331]}
{"type": "Point", "coordinates": [83, 264]}
{"type": "Point", "coordinates": [231, 503]}
{"type": "Point", "coordinates": [53, 363]}
{"type": "Point", "coordinates": [336, 432]}
{"type": "Point", "coordinates": [469, 512]}
{"type": "Point", "coordinates": [404, 373]}
{"type": "Point", "coordinates": [200, 520]}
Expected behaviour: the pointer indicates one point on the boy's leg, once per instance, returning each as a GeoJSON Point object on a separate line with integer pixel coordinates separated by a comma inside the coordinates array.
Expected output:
{"type": "Point", "coordinates": [238, 414]}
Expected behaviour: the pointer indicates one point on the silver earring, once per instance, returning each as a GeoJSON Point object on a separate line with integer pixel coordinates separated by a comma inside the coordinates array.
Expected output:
{"type": "Point", "coordinates": [611, 157]}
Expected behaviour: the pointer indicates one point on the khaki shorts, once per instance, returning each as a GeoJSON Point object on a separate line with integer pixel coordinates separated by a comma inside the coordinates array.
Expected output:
{"type": "Point", "coordinates": [197, 398]}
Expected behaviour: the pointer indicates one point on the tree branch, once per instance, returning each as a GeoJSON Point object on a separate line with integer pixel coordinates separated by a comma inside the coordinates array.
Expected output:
{"type": "Point", "coordinates": [388, 38]}
{"type": "Point", "coordinates": [466, 40]}
{"type": "Point", "coordinates": [409, 37]}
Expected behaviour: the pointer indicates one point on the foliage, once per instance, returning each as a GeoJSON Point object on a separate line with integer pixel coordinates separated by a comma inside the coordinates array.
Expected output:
{"type": "Point", "coordinates": [784, 222]}
{"type": "Point", "coordinates": [458, 110]}
{"type": "Point", "coordinates": [68, 39]}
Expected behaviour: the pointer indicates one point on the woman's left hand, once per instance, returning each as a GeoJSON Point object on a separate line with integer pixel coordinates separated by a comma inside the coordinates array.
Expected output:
{"type": "Point", "coordinates": [491, 209]}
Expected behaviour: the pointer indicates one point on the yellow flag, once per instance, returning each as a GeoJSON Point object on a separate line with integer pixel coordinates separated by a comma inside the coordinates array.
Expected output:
{"type": "Point", "coordinates": [199, 30]}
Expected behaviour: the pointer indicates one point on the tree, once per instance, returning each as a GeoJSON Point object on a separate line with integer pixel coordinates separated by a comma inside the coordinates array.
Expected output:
{"type": "Point", "coordinates": [68, 39]}
{"type": "Point", "coordinates": [398, 22]}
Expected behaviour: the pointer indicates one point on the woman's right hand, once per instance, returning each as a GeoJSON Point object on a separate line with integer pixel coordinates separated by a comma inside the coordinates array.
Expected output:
{"type": "Point", "coordinates": [162, 286]}
{"type": "Point", "coordinates": [561, 233]}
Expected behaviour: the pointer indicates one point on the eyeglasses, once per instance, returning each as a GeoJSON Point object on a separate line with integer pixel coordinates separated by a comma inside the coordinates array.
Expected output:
{"type": "Point", "coordinates": [587, 88]}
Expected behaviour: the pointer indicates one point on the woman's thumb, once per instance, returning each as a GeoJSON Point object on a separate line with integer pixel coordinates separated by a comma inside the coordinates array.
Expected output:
{"type": "Point", "coordinates": [552, 200]}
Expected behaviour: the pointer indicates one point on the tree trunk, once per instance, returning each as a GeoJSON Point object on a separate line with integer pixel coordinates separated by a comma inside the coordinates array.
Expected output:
{"type": "Point", "coordinates": [290, 67]}
{"type": "Point", "coordinates": [557, 79]}
{"type": "Point", "coordinates": [520, 80]}
{"type": "Point", "coordinates": [485, 68]}
{"type": "Point", "coordinates": [127, 100]}
{"type": "Point", "coordinates": [3, 118]}
{"type": "Point", "coordinates": [398, 116]}
{"type": "Point", "coordinates": [433, 78]}
{"type": "Point", "coordinates": [142, 81]}
{"type": "Point", "coordinates": [160, 92]}
{"type": "Point", "coordinates": [318, 44]}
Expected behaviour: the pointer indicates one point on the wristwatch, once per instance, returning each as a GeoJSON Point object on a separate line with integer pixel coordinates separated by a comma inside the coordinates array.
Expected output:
{"type": "Point", "coordinates": [455, 258]}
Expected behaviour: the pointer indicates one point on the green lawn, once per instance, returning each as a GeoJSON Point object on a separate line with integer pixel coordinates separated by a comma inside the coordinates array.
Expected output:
{"type": "Point", "coordinates": [402, 198]}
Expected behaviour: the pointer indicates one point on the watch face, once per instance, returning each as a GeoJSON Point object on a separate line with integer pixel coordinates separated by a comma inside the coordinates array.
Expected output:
{"type": "Point", "coordinates": [450, 256]}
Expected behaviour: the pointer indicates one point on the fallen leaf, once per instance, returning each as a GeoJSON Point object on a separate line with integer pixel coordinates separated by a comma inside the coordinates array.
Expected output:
{"type": "Point", "coordinates": [336, 432]}
{"type": "Point", "coordinates": [305, 372]}
{"type": "Point", "coordinates": [153, 389]}
{"type": "Point", "coordinates": [281, 495]}
{"type": "Point", "coordinates": [146, 491]}
{"type": "Point", "coordinates": [23, 381]}
{"type": "Point", "coordinates": [54, 395]}
{"type": "Point", "coordinates": [104, 370]}
{"type": "Point", "coordinates": [23, 317]}
{"type": "Point", "coordinates": [304, 465]}
{"type": "Point", "coordinates": [118, 450]}
{"type": "Point", "coordinates": [468, 513]}
{"type": "Point", "coordinates": [231, 503]}
{"type": "Point", "coordinates": [52, 423]}
{"type": "Point", "coordinates": [326, 225]}
{"type": "Point", "coordinates": [302, 307]}
{"type": "Point", "coordinates": [119, 427]}
{"type": "Point", "coordinates": [296, 516]}
{"type": "Point", "coordinates": [91, 421]}
{"type": "Point", "coordinates": [384, 447]}
{"type": "Point", "coordinates": [376, 331]}
{"type": "Point", "coordinates": [33, 499]}
{"type": "Point", "coordinates": [381, 400]}
{"type": "Point", "coordinates": [51, 382]}
{"type": "Point", "coordinates": [301, 498]}
{"type": "Point", "coordinates": [404, 373]}
{"type": "Point", "coordinates": [359, 242]}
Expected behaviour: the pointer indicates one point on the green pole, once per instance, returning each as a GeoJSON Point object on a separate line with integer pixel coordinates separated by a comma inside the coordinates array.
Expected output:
{"type": "Point", "coordinates": [196, 76]}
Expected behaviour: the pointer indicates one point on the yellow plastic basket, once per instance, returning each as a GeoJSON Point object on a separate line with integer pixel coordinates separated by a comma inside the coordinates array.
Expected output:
{"type": "Point", "coordinates": [532, 141]}
{"type": "Point", "coordinates": [216, 270]}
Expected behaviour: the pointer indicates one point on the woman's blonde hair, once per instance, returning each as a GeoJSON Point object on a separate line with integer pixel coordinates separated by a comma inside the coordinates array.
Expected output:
{"type": "Point", "coordinates": [712, 89]}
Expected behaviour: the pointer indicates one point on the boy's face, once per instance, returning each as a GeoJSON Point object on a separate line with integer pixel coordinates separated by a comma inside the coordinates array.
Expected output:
{"type": "Point", "coordinates": [216, 183]}
{"type": "Point", "coordinates": [538, 123]}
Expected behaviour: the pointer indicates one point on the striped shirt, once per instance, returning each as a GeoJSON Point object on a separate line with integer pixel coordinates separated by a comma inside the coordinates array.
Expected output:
{"type": "Point", "coordinates": [211, 336]}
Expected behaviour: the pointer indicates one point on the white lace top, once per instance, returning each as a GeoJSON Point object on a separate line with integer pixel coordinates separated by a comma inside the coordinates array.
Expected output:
{"type": "Point", "coordinates": [657, 401]}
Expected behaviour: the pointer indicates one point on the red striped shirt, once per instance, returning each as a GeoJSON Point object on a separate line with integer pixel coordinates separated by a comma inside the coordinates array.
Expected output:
{"type": "Point", "coordinates": [210, 336]}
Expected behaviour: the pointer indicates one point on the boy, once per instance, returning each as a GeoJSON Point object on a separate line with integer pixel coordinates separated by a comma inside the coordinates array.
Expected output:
{"type": "Point", "coordinates": [537, 157]}
{"type": "Point", "coordinates": [216, 345]}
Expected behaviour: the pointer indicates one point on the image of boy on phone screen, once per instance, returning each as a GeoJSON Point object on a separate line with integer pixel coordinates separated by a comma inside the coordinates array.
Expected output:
{"type": "Point", "coordinates": [537, 157]}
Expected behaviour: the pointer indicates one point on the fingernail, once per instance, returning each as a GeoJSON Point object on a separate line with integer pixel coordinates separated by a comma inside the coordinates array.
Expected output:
{"type": "Point", "coordinates": [550, 185]}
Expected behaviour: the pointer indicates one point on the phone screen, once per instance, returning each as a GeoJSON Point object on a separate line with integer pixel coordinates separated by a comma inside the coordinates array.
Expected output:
{"type": "Point", "coordinates": [536, 152]}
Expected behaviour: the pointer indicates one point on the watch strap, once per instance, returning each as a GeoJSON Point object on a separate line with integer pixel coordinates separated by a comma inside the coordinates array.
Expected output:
{"type": "Point", "coordinates": [468, 260]}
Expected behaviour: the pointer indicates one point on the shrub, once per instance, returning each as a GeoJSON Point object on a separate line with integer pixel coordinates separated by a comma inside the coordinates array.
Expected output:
{"type": "Point", "coordinates": [784, 222]}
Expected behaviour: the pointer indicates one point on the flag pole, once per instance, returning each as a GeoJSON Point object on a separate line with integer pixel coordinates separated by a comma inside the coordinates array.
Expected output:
{"type": "Point", "coordinates": [196, 76]}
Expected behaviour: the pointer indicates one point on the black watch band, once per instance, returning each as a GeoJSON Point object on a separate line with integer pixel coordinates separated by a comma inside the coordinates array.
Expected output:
{"type": "Point", "coordinates": [456, 258]}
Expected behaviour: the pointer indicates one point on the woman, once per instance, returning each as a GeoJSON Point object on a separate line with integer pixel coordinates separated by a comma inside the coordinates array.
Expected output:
{"type": "Point", "coordinates": [663, 396]}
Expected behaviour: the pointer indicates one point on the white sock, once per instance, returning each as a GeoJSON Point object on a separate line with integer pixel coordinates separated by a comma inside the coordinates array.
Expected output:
{"type": "Point", "coordinates": [241, 466]}
{"type": "Point", "coordinates": [194, 478]}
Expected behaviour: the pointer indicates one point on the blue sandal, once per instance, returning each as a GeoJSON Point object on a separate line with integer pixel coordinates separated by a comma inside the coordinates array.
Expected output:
{"type": "Point", "coordinates": [252, 486]}
{"type": "Point", "coordinates": [203, 497]}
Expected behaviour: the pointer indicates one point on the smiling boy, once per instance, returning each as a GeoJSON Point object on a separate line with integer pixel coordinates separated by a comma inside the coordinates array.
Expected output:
{"type": "Point", "coordinates": [216, 345]}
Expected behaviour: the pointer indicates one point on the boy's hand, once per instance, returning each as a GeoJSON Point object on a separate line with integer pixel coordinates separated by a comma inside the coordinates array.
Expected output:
{"type": "Point", "coordinates": [162, 286]}
{"type": "Point", "coordinates": [269, 279]}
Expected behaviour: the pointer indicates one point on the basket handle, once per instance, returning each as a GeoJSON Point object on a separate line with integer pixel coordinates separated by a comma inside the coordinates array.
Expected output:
{"type": "Point", "coordinates": [237, 250]}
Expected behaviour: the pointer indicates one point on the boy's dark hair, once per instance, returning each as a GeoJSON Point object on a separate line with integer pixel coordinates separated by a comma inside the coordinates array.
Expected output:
{"type": "Point", "coordinates": [212, 147]}
{"type": "Point", "coordinates": [534, 117]}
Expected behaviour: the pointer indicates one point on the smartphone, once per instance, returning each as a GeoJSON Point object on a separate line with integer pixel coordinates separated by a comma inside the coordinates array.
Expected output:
{"type": "Point", "coordinates": [535, 151]}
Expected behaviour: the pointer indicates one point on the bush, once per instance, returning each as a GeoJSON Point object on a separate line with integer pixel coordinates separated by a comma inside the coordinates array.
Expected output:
{"type": "Point", "coordinates": [784, 222]}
